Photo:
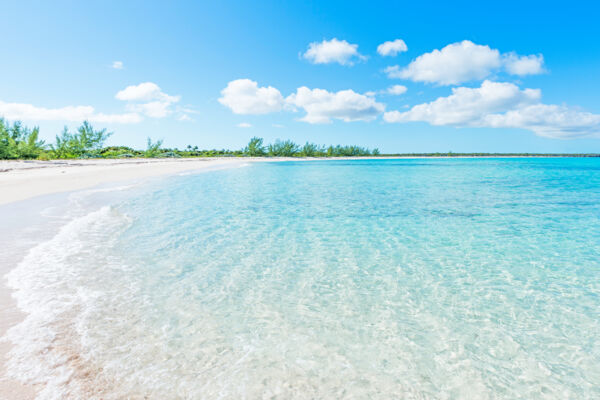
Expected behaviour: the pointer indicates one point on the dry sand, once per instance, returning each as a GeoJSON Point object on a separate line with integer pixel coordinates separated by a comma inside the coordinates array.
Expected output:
{"type": "Point", "coordinates": [20, 180]}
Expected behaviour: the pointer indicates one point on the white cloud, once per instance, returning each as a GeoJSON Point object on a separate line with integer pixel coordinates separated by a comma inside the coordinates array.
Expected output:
{"type": "Point", "coordinates": [244, 125]}
{"type": "Point", "coordinates": [393, 71]}
{"type": "Point", "coordinates": [152, 109]}
{"type": "Point", "coordinates": [397, 90]}
{"type": "Point", "coordinates": [465, 105]}
{"type": "Point", "coordinates": [322, 106]}
{"type": "Point", "coordinates": [243, 96]}
{"type": "Point", "coordinates": [502, 105]}
{"type": "Point", "coordinates": [465, 61]}
{"type": "Point", "coordinates": [330, 51]}
{"type": "Point", "coordinates": [146, 91]}
{"type": "Point", "coordinates": [392, 48]}
{"type": "Point", "coordinates": [453, 64]}
{"type": "Point", "coordinates": [117, 65]}
{"type": "Point", "coordinates": [29, 112]}
{"type": "Point", "coordinates": [147, 98]}
{"type": "Point", "coordinates": [524, 65]}
{"type": "Point", "coordinates": [143, 99]}
{"type": "Point", "coordinates": [548, 120]}
{"type": "Point", "coordinates": [278, 126]}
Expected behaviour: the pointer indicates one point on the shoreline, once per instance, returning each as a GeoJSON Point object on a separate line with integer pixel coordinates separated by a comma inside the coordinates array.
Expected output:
{"type": "Point", "coordinates": [24, 181]}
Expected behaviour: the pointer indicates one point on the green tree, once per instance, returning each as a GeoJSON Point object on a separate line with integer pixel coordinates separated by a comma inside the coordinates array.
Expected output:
{"type": "Point", "coordinates": [285, 148]}
{"type": "Point", "coordinates": [255, 147]}
{"type": "Point", "coordinates": [89, 140]}
{"type": "Point", "coordinates": [17, 141]}
{"type": "Point", "coordinates": [86, 142]}
{"type": "Point", "coordinates": [309, 150]}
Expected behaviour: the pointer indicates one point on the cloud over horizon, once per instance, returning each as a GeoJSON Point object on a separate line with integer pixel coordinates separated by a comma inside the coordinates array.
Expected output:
{"type": "Point", "coordinates": [145, 99]}
{"type": "Point", "coordinates": [501, 105]}
{"type": "Point", "coordinates": [29, 112]}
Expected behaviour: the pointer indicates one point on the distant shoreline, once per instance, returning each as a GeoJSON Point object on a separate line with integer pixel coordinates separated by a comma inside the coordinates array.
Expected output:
{"type": "Point", "coordinates": [8, 165]}
{"type": "Point", "coordinates": [24, 179]}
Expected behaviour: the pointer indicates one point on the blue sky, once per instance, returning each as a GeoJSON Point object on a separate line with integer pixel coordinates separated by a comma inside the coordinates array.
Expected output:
{"type": "Point", "coordinates": [516, 76]}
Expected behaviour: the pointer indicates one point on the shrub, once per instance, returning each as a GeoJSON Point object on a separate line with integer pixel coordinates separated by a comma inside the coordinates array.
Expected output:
{"type": "Point", "coordinates": [153, 149]}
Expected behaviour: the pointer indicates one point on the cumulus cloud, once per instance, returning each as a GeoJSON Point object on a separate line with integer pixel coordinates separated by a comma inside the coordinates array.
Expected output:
{"type": "Point", "coordinates": [244, 125]}
{"type": "Point", "coordinates": [117, 65]}
{"type": "Point", "coordinates": [453, 64]}
{"type": "Point", "coordinates": [548, 120]}
{"type": "Point", "coordinates": [392, 48]}
{"type": "Point", "coordinates": [29, 112]}
{"type": "Point", "coordinates": [332, 51]}
{"type": "Point", "coordinates": [147, 98]}
{"type": "Point", "coordinates": [464, 61]}
{"type": "Point", "coordinates": [322, 106]}
{"type": "Point", "coordinates": [143, 99]}
{"type": "Point", "coordinates": [146, 91]}
{"type": "Point", "coordinates": [397, 90]}
{"type": "Point", "coordinates": [524, 65]}
{"type": "Point", "coordinates": [501, 105]}
{"type": "Point", "coordinates": [466, 105]}
{"type": "Point", "coordinates": [243, 96]}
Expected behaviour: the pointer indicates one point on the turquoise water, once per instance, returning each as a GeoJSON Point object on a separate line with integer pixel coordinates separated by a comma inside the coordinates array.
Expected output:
{"type": "Point", "coordinates": [417, 279]}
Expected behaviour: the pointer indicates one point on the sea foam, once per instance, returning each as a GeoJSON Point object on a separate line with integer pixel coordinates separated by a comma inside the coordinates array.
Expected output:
{"type": "Point", "coordinates": [47, 287]}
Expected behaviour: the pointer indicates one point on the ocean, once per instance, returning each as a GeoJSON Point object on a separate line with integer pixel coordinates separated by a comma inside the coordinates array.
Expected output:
{"type": "Point", "coordinates": [411, 278]}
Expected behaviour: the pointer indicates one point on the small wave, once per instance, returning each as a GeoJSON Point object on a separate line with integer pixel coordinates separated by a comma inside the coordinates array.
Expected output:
{"type": "Point", "coordinates": [48, 289]}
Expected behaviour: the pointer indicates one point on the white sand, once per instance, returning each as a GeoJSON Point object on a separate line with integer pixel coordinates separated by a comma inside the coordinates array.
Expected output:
{"type": "Point", "coordinates": [21, 180]}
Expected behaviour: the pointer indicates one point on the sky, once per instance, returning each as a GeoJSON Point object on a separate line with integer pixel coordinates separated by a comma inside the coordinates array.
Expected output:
{"type": "Point", "coordinates": [514, 76]}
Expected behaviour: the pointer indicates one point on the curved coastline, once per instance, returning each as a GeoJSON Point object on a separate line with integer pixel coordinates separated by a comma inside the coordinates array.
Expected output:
{"type": "Point", "coordinates": [38, 185]}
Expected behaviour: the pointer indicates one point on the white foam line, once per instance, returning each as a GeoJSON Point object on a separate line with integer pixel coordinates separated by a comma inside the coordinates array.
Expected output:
{"type": "Point", "coordinates": [45, 288]}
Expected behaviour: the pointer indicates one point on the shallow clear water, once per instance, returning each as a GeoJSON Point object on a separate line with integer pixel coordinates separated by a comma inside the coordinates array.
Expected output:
{"type": "Point", "coordinates": [440, 278]}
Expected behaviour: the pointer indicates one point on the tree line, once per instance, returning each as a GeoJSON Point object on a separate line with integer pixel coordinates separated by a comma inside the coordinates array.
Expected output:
{"type": "Point", "coordinates": [19, 142]}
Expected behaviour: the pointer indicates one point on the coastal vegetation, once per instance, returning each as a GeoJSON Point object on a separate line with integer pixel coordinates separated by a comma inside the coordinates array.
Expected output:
{"type": "Point", "coordinates": [18, 142]}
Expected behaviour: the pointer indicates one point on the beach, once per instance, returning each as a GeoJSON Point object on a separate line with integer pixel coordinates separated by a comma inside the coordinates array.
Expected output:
{"type": "Point", "coordinates": [21, 180]}
{"type": "Point", "coordinates": [25, 179]}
